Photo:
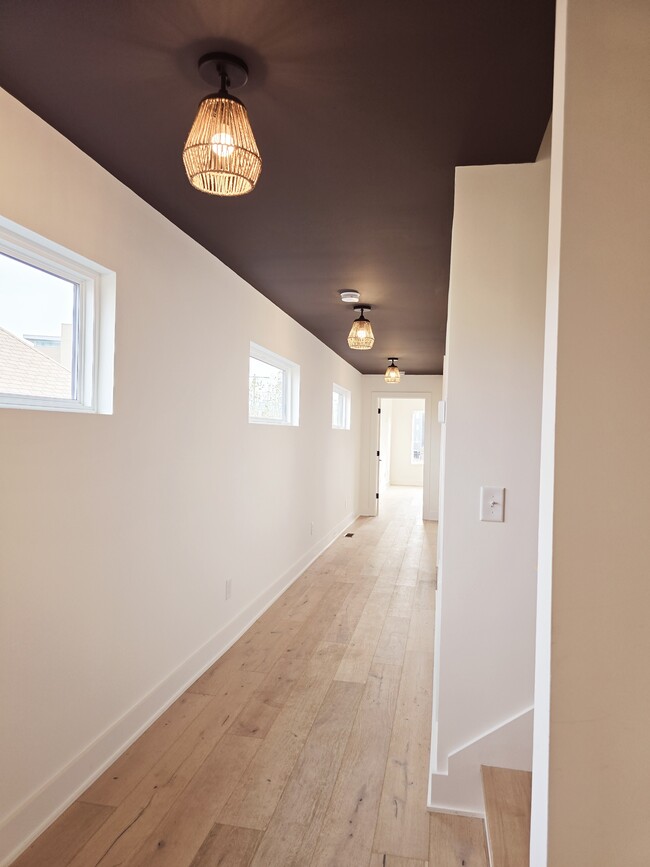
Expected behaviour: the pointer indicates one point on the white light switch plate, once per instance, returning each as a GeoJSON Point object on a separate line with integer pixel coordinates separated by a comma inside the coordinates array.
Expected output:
{"type": "Point", "coordinates": [492, 504]}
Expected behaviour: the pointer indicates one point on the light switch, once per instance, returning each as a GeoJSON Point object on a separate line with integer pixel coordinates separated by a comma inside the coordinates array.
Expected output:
{"type": "Point", "coordinates": [492, 504]}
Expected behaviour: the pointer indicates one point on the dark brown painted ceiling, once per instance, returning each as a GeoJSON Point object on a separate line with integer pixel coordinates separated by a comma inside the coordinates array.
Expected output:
{"type": "Point", "coordinates": [361, 110]}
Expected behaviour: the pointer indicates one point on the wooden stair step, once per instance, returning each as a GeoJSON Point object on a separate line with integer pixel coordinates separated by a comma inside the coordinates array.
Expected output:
{"type": "Point", "coordinates": [507, 796]}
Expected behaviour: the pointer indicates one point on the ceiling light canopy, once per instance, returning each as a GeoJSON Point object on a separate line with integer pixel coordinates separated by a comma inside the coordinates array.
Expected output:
{"type": "Point", "coordinates": [350, 296]}
{"type": "Point", "coordinates": [392, 371]}
{"type": "Point", "coordinates": [220, 155]}
{"type": "Point", "coordinates": [361, 336]}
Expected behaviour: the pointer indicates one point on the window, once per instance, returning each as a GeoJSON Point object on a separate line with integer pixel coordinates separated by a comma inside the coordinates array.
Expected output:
{"type": "Point", "coordinates": [341, 399]}
{"type": "Point", "coordinates": [273, 388]}
{"type": "Point", "coordinates": [49, 327]}
{"type": "Point", "coordinates": [417, 437]}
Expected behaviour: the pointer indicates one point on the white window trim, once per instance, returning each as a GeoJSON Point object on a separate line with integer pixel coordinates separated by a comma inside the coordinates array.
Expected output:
{"type": "Point", "coordinates": [347, 401]}
{"type": "Point", "coordinates": [95, 321]}
{"type": "Point", "coordinates": [291, 386]}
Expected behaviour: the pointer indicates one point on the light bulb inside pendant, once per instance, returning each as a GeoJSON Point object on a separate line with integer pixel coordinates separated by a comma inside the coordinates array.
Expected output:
{"type": "Point", "coordinates": [222, 144]}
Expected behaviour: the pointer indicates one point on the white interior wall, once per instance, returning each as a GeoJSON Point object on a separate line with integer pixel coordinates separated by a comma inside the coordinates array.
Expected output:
{"type": "Point", "coordinates": [594, 639]}
{"type": "Point", "coordinates": [374, 388]}
{"type": "Point", "coordinates": [119, 531]}
{"type": "Point", "coordinates": [402, 471]}
{"type": "Point", "coordinates": [487, 578]}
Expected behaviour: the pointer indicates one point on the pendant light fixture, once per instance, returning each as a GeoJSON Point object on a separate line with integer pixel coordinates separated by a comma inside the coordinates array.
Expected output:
{"type": "Point", "coordinates": [392, 371]}
{"type": "Point", "coordinates": [220, 154]}
{"type": "Point", "coordinates": [361, 336]}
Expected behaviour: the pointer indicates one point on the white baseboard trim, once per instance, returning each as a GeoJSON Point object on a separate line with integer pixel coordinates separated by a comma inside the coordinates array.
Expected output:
{"type": "Point", "coordinates": [459, 790]}
{"type": "Point", "coordinates": [30, 818]}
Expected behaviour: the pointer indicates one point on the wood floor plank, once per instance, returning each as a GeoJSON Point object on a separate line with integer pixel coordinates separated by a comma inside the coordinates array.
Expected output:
{"type": "Point", "coordinates": [507, 796]}
{"type": "Point", "coordinates": [305, 605]}
{"type": "Point", "coordinates": [291, 834]}
{"type": "Point", "coordinates": [456, 841]}
{"type": "Point", "coordinates": [62, 840]}
{"type": "Point", "coordinates": [393, 562]}
{"type": "Point", "coordinates": [227, 846]}
{"type": "Point", "coordinates": [392, 641]}
{"type": "Point", "coordinates": [401, 603]}
{"type": "Point", "coordinates": [408, 576]}
{"type": "Point", "coordinates": [264, 706]}
{"type": "Point", "coordinates": [262, 651]}
{"type": "Point", "coordinates": [383, 860]}
{"type": "Point", "coordinates": [349, 825]}
{"type": "Point", "coordinates": [420, 638]}
{"type": "Point", "coordinates": [180, 835]}
{"type": "Point", "coordinates": [403, 822]}
{"type": "Point", "coordinates": [139, 814]}
{"type": "Point", "coordinates": [425, 595]}
{"type": "Point", "coordinates": [124, 774]}
{"type": "Point", "coordinates": [346, 619]}
{"type": "Point", "coordinates": [262, 709]}
{"type": "Point", "coordinates": [356, 663]}
{"type": "Point", "coordinates": [255, 799]}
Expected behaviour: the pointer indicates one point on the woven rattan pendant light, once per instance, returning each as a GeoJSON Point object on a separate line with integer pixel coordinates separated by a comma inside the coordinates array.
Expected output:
{"type": "Point", "coordinates": [220, 155]}
{"type": "Point", "coordinates": [392, 371]}
{"type": "Point", "coordinates": [361, 336]}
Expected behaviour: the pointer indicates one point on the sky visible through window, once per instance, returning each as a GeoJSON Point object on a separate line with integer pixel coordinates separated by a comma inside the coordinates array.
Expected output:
{"type": "Point", "coordinates": [33, 301]}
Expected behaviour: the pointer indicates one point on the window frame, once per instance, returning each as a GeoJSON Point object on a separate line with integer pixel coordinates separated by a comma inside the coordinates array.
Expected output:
{"type": "Point", "coordinates": [290, 386]}
{"type": "Point", "coordinates": [92, 295]}
{"type": "Point", "coordinates": [346, 395]}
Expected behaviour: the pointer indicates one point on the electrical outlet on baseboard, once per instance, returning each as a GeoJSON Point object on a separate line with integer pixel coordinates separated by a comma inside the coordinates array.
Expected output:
{"type": "Point", "coordinates": [228, 587]}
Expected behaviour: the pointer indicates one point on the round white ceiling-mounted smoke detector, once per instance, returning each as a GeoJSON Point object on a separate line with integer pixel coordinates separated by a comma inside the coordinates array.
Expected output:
{"type": "Point", "coordinates": [350, 296]}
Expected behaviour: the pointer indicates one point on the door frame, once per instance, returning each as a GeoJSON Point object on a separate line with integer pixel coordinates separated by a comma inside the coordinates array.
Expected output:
{"type": "Point", "coordinates": [429, 509]}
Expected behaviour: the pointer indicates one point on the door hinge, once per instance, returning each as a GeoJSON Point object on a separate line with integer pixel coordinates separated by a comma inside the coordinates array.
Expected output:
{"type": "Point", "coordinates": [377, 453]}
{"type": "Point", "coordinates": [377, 496]}
{"type": "Point", "coordinates": [379, 411]}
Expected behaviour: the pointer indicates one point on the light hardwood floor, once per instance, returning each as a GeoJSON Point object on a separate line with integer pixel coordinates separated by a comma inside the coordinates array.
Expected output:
{"type": "Point", "coordinates": [306, 744]}
{"type": "Point", "coordinates": [507, 795]}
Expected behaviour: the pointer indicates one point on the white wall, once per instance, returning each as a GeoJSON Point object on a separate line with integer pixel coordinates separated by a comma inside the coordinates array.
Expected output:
{"type": "Point", "coordinates": [113, 594]}
{"type": "Point", "coordinates": [385, 440]}
{"type": "Point", "coordinates": [595, 545]}
{"type": "Point", "coordinates": [487, 579]}
{"type": "Point", "coordinates": [374, 388]}
{"type": "Point", "coordinates": [402, 470]}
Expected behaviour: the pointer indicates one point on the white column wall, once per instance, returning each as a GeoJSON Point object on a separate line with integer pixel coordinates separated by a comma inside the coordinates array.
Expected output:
{"type": "Point", "coordinates": [486, 585]}
{"type": "Point", "coordinates": [594, 638]}
{"type": "Point", "coordinates": [119, 531]}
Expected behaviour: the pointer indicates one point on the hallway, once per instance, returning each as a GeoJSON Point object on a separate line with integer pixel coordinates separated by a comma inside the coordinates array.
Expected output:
{"type": "Point", "coordinates": [307, 743]}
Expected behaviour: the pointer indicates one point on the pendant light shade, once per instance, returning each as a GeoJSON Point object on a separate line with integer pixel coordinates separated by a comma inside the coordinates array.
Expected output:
{"type": "Point", "coordinates": [361, 336]}
{"type": "Point", "coordinates": [392, 371]}
{"type": "Point", "coordinates": [220, 155]}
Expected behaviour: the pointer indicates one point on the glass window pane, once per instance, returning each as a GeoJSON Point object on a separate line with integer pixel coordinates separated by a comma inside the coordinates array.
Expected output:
{"type": "Point", "coordinates": [417, 439]}
{"type": "Point", "coordinates": [37, 331]}
{"type": "Point", "coordinates": [337, 407]}
{"type": "Point", "coordinates": [266, 391]}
